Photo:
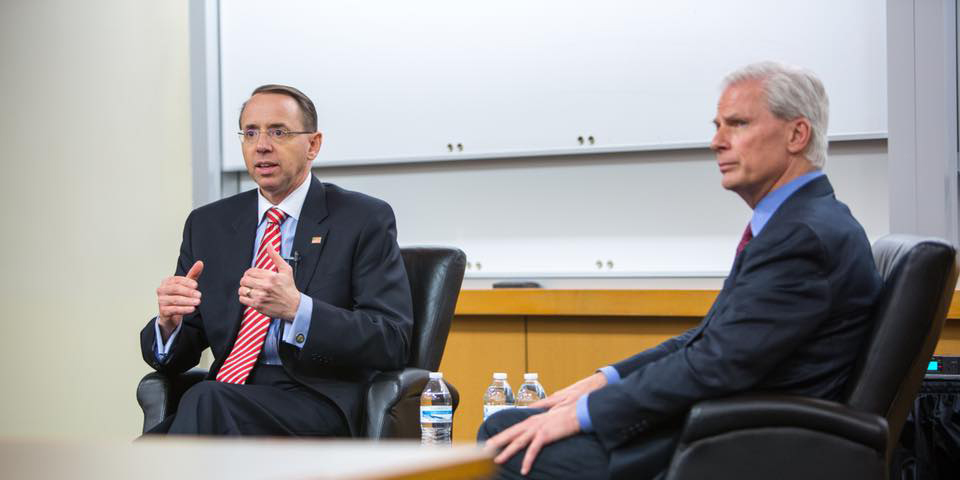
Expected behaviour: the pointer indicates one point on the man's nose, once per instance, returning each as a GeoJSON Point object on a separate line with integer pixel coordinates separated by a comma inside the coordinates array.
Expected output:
{"type": "Point", "coordinates": [263, 143]}
{"type": "Point", "coordinates": [719, 142]}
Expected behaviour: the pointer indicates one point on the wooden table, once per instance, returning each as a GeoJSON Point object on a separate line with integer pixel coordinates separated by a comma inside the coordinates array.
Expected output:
{"type": "Point", "coordinates": [237, 459]}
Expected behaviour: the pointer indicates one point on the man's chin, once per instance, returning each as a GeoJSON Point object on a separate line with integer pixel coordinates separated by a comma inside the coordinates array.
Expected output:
{"type": "Point", "coordinates": [728, 182]}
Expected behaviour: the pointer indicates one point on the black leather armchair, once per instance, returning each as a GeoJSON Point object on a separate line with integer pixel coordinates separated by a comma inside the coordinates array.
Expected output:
{"type": "Point", "coordinates": [393, 398]}
{"type": "Point", "coordinates": [788, 437]}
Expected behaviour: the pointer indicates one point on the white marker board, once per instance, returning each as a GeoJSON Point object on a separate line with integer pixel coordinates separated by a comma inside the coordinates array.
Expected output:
{"type": "Point", "coordinates": [409, 81]}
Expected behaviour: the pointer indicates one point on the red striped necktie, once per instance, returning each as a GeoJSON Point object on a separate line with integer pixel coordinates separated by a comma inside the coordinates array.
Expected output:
{"type": "Point", "coordinates": [253, 329]}
{"type": "Point", "coordinates": [747, 236]}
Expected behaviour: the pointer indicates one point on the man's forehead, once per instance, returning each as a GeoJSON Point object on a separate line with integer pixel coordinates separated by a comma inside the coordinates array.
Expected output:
{"type": "Point", "coordinates": [743, 96]}
{"type": "Point", "coordinates": [267, 109]}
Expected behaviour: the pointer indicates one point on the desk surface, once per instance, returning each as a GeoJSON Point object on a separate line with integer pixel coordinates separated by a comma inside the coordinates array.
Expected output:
{"type": "Point", "coordinates": [237, 459]}
{"type": "Point", "coordinates": [641, 303]}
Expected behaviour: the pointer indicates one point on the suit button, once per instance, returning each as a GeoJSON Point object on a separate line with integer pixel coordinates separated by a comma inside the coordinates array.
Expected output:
{"type": "Point", "coordinates": [300, 338]}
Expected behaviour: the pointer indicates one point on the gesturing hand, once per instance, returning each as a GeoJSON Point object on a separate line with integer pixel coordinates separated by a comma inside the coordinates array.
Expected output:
{"type": "Point", "coordinates": [273, 294]}
{"type": "Point", "coordinates": [176, 297]}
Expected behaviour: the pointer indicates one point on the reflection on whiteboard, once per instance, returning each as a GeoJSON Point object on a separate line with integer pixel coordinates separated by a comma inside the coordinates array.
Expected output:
{"type": "Point", "coordinates": [434, 79]}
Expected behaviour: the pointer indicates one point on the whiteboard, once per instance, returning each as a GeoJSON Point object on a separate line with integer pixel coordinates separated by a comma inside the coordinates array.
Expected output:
{"type": "Point", "coordinates": [424, 80]}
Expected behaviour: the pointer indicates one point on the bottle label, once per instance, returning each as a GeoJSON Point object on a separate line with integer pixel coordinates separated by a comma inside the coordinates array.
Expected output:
{"type": "Point", "coordinates": [436, 414]}
{"type": "Point", "coordinates": [491, 409]}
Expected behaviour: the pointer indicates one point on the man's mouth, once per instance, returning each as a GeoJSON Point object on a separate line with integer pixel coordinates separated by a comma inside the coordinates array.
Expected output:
{"type": "Point", "coordinates": [265, 167]}
{"type": "Point", "coordinates": [726, 166]}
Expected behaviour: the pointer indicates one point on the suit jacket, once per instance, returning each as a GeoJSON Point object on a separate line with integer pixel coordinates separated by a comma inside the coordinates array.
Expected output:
{"type": "Point", "coordinates": [362, 315]}
{"type": "Point", "coordinates": [791, 318]}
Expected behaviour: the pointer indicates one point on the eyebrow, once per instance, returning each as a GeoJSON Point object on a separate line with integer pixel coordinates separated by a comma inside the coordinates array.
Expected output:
{"type": "Point", "coordinates": [272, 125]}
{"type": "Point", "coordinates": [733, 117]}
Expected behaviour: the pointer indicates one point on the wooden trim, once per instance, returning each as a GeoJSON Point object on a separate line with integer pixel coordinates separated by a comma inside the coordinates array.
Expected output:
{"type": "Point", "coordinates": [653, 303]}
{"type": "Point", "coordinates": [640, 303]}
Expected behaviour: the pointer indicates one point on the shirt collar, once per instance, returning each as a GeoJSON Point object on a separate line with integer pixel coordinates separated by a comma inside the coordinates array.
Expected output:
{"type": "Point", "coordinates": [771, 202]}
{"type": "Point", "coordinates": [290, 205]}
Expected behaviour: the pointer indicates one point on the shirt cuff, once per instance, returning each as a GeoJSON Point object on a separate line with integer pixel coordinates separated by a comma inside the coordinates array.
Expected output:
{"type": "Point", "coordinates": [295, 333]}
{"type": "Point", "coordinates": [613, 376]}
{"type": "Point", "coordinates": [163, 349]}
{"type": "Point", "coordinates": [583, 414]}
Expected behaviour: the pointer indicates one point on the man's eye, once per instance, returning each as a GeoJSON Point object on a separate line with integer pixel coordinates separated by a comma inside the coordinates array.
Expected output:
{"type": "Point", "coordinates": [277, 132]}
{"type": "Point", "coordinates": [249, 133]}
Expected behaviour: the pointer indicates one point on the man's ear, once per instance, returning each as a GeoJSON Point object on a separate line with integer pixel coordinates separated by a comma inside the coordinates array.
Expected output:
{"type": "Point", "coordinates": [316, 140]}
{"type": "Point", "coordinates": [799, 135]}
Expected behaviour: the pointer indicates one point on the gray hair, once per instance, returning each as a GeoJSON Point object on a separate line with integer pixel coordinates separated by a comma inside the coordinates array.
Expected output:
{"type": "Point", "coordinates": [791, 93]}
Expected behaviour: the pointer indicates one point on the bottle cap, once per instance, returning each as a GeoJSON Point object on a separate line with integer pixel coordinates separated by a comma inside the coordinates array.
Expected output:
{"type": "Point", "coordinates": [436, 375]}
{"type": "Point", "coordinates": [499, 376]}
{"type": "Point", "coordinates": [529, 376]}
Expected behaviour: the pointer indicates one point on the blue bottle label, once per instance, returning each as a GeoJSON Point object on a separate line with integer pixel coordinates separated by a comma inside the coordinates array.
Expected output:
{"type": "Point", "coordinates": [436, 414]}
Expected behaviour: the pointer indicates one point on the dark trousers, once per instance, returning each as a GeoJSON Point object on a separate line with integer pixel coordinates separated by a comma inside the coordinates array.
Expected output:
{"type": "Point", "coordinates": [583, 456]}
{"type": "Point", "coordinates": [270, 403]}
{"type": "Point", "coordinates": [579, 456]}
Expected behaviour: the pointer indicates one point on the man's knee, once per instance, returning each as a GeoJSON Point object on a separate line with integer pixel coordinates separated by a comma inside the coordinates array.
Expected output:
{"type": "Point", "coordinates": [203, 392]}
{"type": "Point", "coordinates": [503, 420]}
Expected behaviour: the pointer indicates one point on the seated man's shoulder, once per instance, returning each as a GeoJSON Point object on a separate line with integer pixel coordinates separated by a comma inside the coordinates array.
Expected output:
{"type": "Point", "coordinates": [349, 200]}
{"type": "Point", "coordinates": [826, 219]}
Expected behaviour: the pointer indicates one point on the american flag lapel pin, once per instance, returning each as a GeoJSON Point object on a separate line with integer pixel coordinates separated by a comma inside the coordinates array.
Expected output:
{"type": "Point", "coordinates": [316, 240]}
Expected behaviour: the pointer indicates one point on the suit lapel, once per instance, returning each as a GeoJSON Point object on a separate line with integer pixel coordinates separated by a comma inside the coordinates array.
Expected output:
{"type": "Point", "coordinates": [239, 256]}
{"type": "Point", "coordinates": [311, 233]}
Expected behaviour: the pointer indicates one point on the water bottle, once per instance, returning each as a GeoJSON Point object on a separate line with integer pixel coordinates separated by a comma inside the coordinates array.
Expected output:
{"type": "Point", "coordinates": [531, 391]}
{"type": "Point", "coordinates": [498, 396]}
{"type": "Point", "coordinates": [436, 412]}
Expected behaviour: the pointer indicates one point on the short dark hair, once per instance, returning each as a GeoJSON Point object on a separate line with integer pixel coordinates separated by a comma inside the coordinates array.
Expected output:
{"type": "Point", "coordinates": [307, 110]}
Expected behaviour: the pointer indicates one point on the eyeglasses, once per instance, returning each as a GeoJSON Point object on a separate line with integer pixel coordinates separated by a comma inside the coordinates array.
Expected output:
{"type": "Point", "coordinates": [278, 135]}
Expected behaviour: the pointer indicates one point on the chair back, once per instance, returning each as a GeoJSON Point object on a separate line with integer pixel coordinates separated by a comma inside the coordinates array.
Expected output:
{"type": "Point", "coordinates": [435, 275]}
{"type": "Point", "coordinates": [919, 276]}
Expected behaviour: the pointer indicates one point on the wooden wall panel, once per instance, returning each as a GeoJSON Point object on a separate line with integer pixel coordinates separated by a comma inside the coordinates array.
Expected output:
{"type": "Point", "coordinates": [949, 338]}
{"type": "Point", "coordinates": [477, 347]}
{"type": "Point", "coordinates": [565, 349]}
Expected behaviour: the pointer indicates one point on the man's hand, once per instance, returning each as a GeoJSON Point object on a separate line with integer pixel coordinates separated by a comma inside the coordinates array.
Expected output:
{"type": "Point", "coordinates": [273, 294]}
{"type": "Point", "coordinates": [534, 433]}
{"type": "Point", "coordinates": [570, 395]}
{"type": "Point", "coordinates": [176, 297]}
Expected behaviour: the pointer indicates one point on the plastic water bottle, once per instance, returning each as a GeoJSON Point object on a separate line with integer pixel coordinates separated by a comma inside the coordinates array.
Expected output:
{"type": "Point", "coordinates": [531, 391]}
{"type": "Point", "coordinates": [498, 396]}
{"type": "Point", "coordinates": [436, 412]}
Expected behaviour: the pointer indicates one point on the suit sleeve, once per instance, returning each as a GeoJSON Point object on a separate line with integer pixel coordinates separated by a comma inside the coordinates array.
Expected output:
{"type": "Point", "coordinates": [780, 296]}
{"type": "Point", "coordinates": [190, 342]}
{"type": "Point", "coordinates": [376, 332]}
{"type": "Point", "coordinates": [630, 365]}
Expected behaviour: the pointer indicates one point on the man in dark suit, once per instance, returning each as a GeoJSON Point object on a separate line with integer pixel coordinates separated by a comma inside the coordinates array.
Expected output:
{"type": "Point", "coordinates": [790, 318]}
{"type": "Point", "coordinates": [298, 288]}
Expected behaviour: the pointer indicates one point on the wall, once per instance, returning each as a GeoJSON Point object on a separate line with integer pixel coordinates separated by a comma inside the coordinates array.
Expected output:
{"type": "Point", "coordinates": [96, 171]}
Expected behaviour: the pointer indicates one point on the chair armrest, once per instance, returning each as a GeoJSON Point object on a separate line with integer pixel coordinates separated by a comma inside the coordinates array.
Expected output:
{"type": "Point", "coordinates": [393, 403]}
{"type": "Point", "coordinates": [713, 417]}
{"type": "Point", "coordinates": [159, 394]}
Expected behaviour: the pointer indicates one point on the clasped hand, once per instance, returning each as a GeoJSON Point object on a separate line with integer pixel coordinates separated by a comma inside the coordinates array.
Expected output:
{"type": "Point", "coordinates": [273, 294]}
{"type": "Point", "coordinates": [558, 422]}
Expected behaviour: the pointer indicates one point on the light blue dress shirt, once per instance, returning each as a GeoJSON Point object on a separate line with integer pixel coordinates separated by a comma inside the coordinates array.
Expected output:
{"type": "Point", "coordinates": [280, 329]}
{"type": "Point", "coordinates": [761, 215]}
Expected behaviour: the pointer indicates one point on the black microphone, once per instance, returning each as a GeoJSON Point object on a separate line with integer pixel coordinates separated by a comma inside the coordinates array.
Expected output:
{"type": "Point", "coordinates": [295, 261]}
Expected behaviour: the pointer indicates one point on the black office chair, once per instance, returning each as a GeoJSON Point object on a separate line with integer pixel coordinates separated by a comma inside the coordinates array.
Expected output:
{"type": "Point", "coordinates": [393, 398]}
{"type": "Point", "coordinates": [788, 437]}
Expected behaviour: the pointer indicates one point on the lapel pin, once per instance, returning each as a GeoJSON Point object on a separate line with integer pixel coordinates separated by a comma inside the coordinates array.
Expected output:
{"type": "Point", "coordinates": [316, 240]}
